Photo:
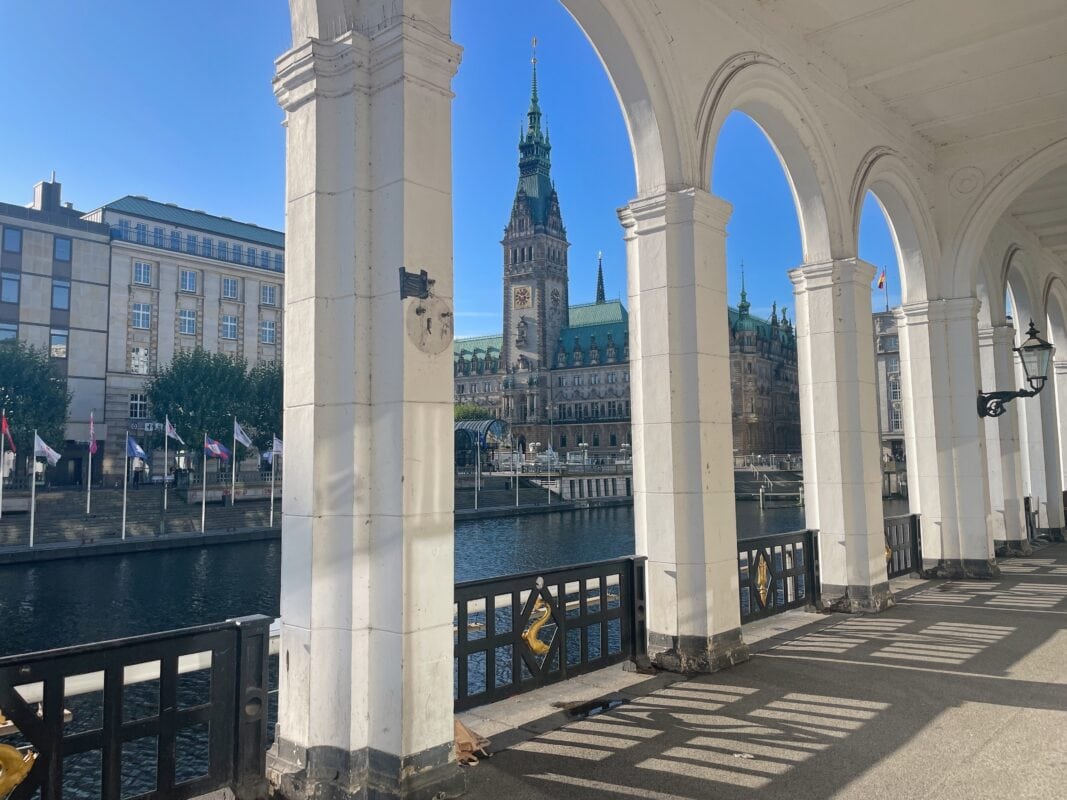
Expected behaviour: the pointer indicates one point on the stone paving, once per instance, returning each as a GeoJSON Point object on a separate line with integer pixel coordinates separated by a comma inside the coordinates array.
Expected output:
{"type": "Point", "coordinates": [960, 691]}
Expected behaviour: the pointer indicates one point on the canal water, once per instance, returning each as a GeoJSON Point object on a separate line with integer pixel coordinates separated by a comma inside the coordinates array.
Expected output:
{"type": "Point", "coordinates": [57, 603]}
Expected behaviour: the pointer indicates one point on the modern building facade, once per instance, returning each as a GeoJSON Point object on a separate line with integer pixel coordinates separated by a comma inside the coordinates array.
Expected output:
{"type": "Point", "coordinates": [54, 266]}
{"type": "Point", "coordinates": [560, 373]}
{"type": "Point", "coordinates": [179, 280]}
{"type": "Point", "coordinates": [887, 383]}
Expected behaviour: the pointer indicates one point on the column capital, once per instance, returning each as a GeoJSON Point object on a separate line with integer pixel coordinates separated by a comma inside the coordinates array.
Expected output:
{"type": "Point", "coordinates": [318, 68]}
{"type": "Point", "coordinates": [1059, 366]}
{"type": "Point", "coordinates": [997, 335]}
{"type": "Point", "coordinates": [825, 274]}
{"type": "Point", "coordinates": [953, 309]}
{"type": "Point", "coordinates": [652, 212]}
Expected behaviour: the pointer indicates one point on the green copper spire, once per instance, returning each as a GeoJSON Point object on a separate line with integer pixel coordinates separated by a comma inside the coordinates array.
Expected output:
{"type": "Point", "coordinates": [534, 157]}
{"type": "Point", "coordinates": [744, 305]}
{"type": "Point", "coordinates": [534, 114]}
{"type": "Point", "coordinates": [600, 279]}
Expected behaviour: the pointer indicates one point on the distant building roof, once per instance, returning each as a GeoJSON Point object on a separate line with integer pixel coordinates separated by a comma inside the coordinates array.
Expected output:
{"type": "Point", "coordinates": [473, 344]}
{"type": "Point", "coordinates": [187, 218]}
{"type": "Point", "coordinates": [598, 313]}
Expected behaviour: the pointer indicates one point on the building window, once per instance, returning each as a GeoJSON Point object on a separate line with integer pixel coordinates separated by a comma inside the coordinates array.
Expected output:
{"type": "Point", "coordinates": [8, 331]}
{"type": "Point", "coordinates": [892, 364]}
{"type": "Point", "coordinates": [894, 390]}
{"type": "Point", "coordinates": [278, 262]}
{"type": "Point", "coordinates": [577, 380]}
{"type": "Point", "coordinates": [613, 441]}
{"type": "Point", "coordinates": [205, 247]}
{"type": "Point", "coordinates": [191, 242]}
{"type": "Point", "coordinates": [61, 295]}
{"type": "Point", "coordinates": [251, 261]}
{"type": "Point", "coordinates": [266, 332]}
{"type": "Point", "coordinates": [612, 377]}
{"type": "Point", "coordinates": [139, 360]}
{"type": "Point", "coordinates": [224, 251]}
{"type": "Point", "coordinates": [594, 379]}
{"type": "Point", "coordinates": [157, 236]}
{"type": "Point", "coordinates": [596, 440]}
{"type": "Point", "coordinates": [562, 441]}
{"type": "Point", "coordinates": [175, 240]}
{"type": "Point", "coordinates": [264, 259]}
{"type": "Point", "coordinates": [238, 253]}
{"type": "Point", "coordinates": [895, 423]}
{"type": "Point", "coordinates": [12, 240]}
{"type": "Point", "coordinates": [57, 344]}
{"type": "Point", "coordinates": [187, 281]}
{"type": "Point", "coordinates": [142, 273]}
{"type": "Point", "coordinates": [141, 233]}
{"type": "Point", "coordinates": [268, 294]}
{"type": "Point", "coordinates": [61, 249]}
{"type": "Point", "coordinates": [142, 316]}
{"type": "Point", "coordinates": [9, 292]}
{"type": "Point", "coordinates": [187, 322]}
{"type": "Point", "coordinates": [230, 289]}
{"type": "Point", "coordinates": [124, 230]}
{"type": "Point", "coordinates": [626, 377]}
{"type": "Point", "coordinates": [138, 406]}
{"type": "Point", "coordinates": [229, 326]}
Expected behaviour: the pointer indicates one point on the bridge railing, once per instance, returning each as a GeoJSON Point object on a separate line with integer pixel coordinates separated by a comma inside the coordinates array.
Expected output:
{"type": "Point", "coordinates": [519, 632]}
{"type": "Point", "coordinates": [903, 545]}
{"type": "Point", "coordinates": [778, 573]}
{"type": "Point", "coordinates": [167, 715]}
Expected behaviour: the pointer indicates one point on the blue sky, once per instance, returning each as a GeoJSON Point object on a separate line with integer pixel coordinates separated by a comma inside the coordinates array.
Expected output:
{"type": "Point", "coordinates": [174, 101]}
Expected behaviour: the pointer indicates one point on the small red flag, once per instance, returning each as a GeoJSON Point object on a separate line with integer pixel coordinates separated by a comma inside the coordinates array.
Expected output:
{"type": "Point", "coordinates": [92, 435]}
{"type": "Point", "coordinates": [7, 432]}
{"type": "Point", "coordinates": [881, 280]}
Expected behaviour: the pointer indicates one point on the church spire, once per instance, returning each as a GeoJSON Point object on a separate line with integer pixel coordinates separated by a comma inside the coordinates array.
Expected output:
{"type": "Point", "coordinates": [600, 279]}
{"type": "Point", "coordinates": [743, 306]}
{"type": "Point", "coordinates": [535, 164]}
{"type": "Point", "coordinates": [534, 114]}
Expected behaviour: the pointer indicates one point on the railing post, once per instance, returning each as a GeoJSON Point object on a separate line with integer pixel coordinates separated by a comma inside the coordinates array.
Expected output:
{"type": "Point", "coordinates": [250, 711]}
{"type": "Point", "coordinates": [813, 569]}
{"type": "Point", "coordinates": [638, 625]}
{"type": "Point", "coordinates": [916, 544]}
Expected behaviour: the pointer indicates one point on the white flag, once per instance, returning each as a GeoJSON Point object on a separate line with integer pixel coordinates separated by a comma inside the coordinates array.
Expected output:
{"type": "Point", "coordinates": [240, 435]}
{"type": "Point", "coordinates": [277, 448]}
{"type": "Point", "coordinates": [41, 449]}
{"type": "Point", "coordinates": [173, 434]}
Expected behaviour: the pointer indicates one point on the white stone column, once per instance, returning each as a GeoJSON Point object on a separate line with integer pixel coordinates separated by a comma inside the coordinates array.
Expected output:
{"type": "Point", "coordinates": [947, 473]}
{"type": "Point", "coordinates": [682, 432]}
{"type": "Point", "coordinates": [1007, 521]}
{"type": "Point", "coordinates": [366, 662]}
{"type": "Point", "coordinates": [1052, 513]}
{"type": "Point", "coordinates": [839, 431]}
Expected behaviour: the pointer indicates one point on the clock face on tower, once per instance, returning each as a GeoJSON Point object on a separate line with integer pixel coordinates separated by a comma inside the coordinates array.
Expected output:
{"type": "Point", "coordinates": [522, 297]}
{"type": "Point", "coordinates": [555, 298]}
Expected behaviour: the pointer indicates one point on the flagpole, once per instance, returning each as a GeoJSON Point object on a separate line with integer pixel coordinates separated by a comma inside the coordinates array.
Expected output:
{"type": "Point", "coordinates": [203, 495]}
{"type": "Point", "coordinates": [89, 475]}
{"type": "Point", "coordinates": [885, 286]}
{"type": "Point", "coordinates": [477, 470]}
{"type": "Point", "coordinates": [166, 458]}
{"type": "Point", "coordinates": [2, 464]}
{"type": "Point", "coordinates": [233, 467]}
{"type": "Point", "coordinates": [273, 458]}
{"type": "Point", "coordinates": [33, 487]}
{"type": "Point", "coordinates": [125, 480]}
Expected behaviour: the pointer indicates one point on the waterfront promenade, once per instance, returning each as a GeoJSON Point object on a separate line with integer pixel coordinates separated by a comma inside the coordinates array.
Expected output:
{"type": "Point", "coordinates": [959, 691]}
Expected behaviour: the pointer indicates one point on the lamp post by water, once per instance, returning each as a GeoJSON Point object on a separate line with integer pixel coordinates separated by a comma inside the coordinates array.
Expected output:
{"type": "Point", "coordinates": [1035, 354]}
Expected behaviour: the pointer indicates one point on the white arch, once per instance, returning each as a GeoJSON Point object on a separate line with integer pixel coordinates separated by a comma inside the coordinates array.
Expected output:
{"type": "Point", "coordinates": [884, 173]}
{"type": "Point", "coordinates": [767, 91]}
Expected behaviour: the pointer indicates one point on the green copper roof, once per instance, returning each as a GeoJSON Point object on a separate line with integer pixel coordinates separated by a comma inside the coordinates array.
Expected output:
{"type": "Point", "coordinates": [470, 344]}
{"type": "Point", "coordinates": [598, 314]}
{"type": "Point", "coordinates": [175, 215]}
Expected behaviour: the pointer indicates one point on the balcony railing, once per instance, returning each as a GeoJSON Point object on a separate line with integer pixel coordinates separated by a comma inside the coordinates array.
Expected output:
{"type": "Point", "coordinates": [903, 545]}
{"type": "Point", "coordinates": [520, 632]}
{"type": "Point", "coordinates": [169, 715]}
{"type": "Point", "coordinates": [778, 573]}
{"type": "Point", "coordinates": [197, 246]}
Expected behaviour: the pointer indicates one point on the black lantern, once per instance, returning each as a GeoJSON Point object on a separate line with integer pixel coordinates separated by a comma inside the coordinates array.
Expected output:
{"type": "Point", "coordinates": [1035, 354]}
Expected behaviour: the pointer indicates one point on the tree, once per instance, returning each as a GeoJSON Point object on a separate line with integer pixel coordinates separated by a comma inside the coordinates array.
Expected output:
{"type": "Point", "coordinates": [34, 394]}
{"type": "Point", "coordinates": [264, 407]}
{"type": "Point", "coordinates": [201, 392]}
{"type": "Point", "coordinates": [471, 411]}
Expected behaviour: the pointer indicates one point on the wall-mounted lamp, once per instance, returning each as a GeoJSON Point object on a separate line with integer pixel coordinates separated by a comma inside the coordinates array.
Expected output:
{"type": "Point", "coordinates": [1036, 354]}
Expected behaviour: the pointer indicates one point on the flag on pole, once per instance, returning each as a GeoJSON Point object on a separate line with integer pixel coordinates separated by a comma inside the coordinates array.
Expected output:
{"type": "Point", "coordinates": [134, 450]}
{"type": "Point", "coordinates": [92, 434]}
{"type": "Point", "coordinates": [171, 433]}
{"type": "Point", "coordinates": [277, 446]}
{"type": "Point", "coordinates": [881, 280]}
{"type": "Point", "coordinates": [213, 449]}
{"type": "Point", "coordinates": [7, 433]}
{"type": "Point", "coordinates": [239, 434]}
{"type": "Point", "coordinates": [41, 449]}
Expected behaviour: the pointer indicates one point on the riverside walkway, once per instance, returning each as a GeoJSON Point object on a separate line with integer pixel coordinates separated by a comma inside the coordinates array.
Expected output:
{"type": "Point", "coordinates": [960, 691]}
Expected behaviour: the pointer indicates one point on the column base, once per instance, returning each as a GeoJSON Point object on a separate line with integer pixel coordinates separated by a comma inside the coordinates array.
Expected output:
{"type": "Point", "coordinates": [690, 655]}
{"type": "Point", "coordinates": [1054, 534]}
{"type": "Point", "coordinates": [330, 773]}
{"type": "Point", "coordinates": [966, 569]}
{"type": "Point", "coordinates": [856, 599]}
{"type": "Point", "coordinates": [1012, 548]}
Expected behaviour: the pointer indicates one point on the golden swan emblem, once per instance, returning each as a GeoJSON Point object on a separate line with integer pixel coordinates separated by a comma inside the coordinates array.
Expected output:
{"type": "Point", "coordinates": [14, 767]}
{"type": "Point", "coordinates": [530, 634]}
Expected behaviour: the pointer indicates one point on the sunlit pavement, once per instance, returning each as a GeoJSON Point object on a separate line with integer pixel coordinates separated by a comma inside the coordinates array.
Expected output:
{"type": "Point", "coordinates": [960, 691]}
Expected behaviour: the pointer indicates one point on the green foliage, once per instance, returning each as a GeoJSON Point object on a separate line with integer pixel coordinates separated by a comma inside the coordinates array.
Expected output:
{"type": "Point", "coordinates": [471, 411]}
{"type": "Point", "coordinates": [264, 408]}
{"type": "Point", "coordinates": [200, 392]}
{"type": "Point", "coordinates": [34, 393]}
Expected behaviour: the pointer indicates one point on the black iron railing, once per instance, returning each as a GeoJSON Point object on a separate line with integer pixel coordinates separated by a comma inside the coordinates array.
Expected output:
{"type": "Point", "coordinates": [777, 573]}
{"type": "Point", "coordinates": [903, 545]}
{"type": "Point", "coordinates": [168, 715]}
{"type": "Point", "coordinates": [519, 632]}
{"type": "Point", "coordinates": [1031, 515]}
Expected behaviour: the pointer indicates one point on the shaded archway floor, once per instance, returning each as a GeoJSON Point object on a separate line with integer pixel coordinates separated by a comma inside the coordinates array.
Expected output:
{"type": "Point", "coordinates": [960, 691]}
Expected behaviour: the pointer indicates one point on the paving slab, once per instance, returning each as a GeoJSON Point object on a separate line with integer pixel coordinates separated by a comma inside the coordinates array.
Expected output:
{"type": "Point", "coordinates": [956, 692]}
